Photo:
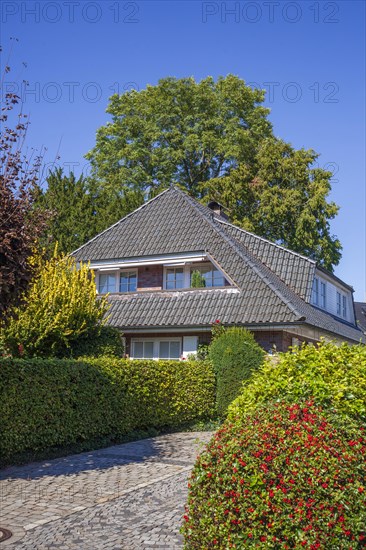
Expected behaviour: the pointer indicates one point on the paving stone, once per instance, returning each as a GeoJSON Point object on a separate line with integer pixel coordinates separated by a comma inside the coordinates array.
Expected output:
{"type": "Point", "coordinates": [127, 497]}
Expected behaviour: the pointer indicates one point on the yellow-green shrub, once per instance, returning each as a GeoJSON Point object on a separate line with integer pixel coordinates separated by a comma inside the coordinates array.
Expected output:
{"type": "Point", "coordinates": [334, 376]}
{"type": "Point", "coordinates": [60, 308]}
{"type": "Point", "coordinates": [48, 403]}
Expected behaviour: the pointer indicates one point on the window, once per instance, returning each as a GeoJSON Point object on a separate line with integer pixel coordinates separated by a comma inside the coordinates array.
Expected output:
{"type": "Point", "coordinates": [169, 350]}
{"type": "Point", "coordinates": [174, 278]}
{"type": "Point", "coordinates": [323, 296]}
{"type": "Point", "coordinates": [128, 281]}
{"type": "Point", "coordinates": [106, 283]}
{"type": "Point", "coordinates": [315, 295]}
{"type": "Point", "coordinates": [156, 348]}
{"type": "Point", "coordinates": [339, 303]}
{"type": "Point", "coordinates": [344, 306]}
{"type": "Point", "coordinates": [143, 349]}
{"type": "Point", "coordinates": [211, 275]}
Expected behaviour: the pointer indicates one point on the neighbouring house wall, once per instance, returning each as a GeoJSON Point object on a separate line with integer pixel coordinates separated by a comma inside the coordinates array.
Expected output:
{"type": "Point", "coordinates": [150, 278]}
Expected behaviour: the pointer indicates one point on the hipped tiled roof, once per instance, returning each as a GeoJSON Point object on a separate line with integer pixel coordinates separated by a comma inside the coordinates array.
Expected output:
{"type": "Point", "coordinates": [272, 284]}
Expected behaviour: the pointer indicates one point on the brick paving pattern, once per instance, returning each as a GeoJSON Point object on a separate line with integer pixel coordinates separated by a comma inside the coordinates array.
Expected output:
{"type": "Point", "coordinates": [128, 496]}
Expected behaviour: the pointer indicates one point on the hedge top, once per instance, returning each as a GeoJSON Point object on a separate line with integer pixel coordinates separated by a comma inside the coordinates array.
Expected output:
{"type": "Point", "coordinates": [334, 376]}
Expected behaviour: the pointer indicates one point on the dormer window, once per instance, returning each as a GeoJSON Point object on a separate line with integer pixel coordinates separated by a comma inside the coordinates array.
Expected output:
{"type": "Point", "coordinates": [174, 278]}
{"type": "Point", "coordinates": [211, 276]}
{"type": "Point", "coordinates": [128, 281]}
{"type": "Point", "coordinates": [107, 282]}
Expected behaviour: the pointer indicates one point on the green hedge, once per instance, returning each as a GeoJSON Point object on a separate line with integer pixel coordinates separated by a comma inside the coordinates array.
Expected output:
{"type": "Point", "coordinates": [47, 403]}
{"type": "Point", "coordinates": [333, 375]}
{"type": "Point", "coordinates": [235, 355]}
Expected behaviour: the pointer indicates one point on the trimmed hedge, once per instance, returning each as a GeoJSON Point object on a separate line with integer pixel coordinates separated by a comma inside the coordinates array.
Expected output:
{"type": "Point", "coordinates": [334, 376]}
{"type": "Point", "coordinates": [235, 355]}
{"type": "Point", "coordinates": [47, 403]}
{"type": "Point", "coordinates": [286, 476]}
{"type": "Point", "coordinates": [107, 341]}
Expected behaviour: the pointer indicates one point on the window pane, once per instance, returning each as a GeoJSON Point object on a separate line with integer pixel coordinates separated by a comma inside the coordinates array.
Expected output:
{"type": "Point", "coordinates": [148, 350]}
{"type": "Point", "coordinates": [170, 285]}
{"type": "Point", "coordinates": [112, 282]}
{"type": "Point", "coordinates": [102, 286]}
{"type": "Point", "coordinates": [174, 350]}
{"type": "Point", "coordinates": [138, 350]}
{"type": "Point", "coordinates": [338, 303]}
{"type": "Point", "coordinates": [107, 283]}
{"type": "Point", "coordinates": [344, 302]}
{"type": "Point", "coordinates": [128, 281]}
{"type": "Point", "coordinates": [170, 275]}
{"type": "Point", "coordinates": [133, 282]}
{"type": "Point", "coordinates": [164, 350]}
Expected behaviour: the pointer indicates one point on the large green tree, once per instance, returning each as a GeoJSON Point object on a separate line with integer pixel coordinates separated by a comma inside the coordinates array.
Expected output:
{"type": "Point", "coordinates": [80, 208]}
{"type": "Point", "coordinates": [214, 139]}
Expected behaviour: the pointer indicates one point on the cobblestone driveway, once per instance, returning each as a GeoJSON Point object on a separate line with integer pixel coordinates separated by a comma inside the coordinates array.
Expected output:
{"type": "Point", "coordinates": [128, 496]}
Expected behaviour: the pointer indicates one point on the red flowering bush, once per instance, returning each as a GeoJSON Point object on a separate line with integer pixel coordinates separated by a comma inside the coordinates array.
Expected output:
{"type": "Point", "coordinates": [287, 476]}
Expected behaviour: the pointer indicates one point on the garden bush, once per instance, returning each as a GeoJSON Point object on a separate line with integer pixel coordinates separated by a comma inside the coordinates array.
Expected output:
{"type": "Point", "coordinates": [335, 376]}
{"type": "Point", "coordinates": [286, 476]}
{"type": "Point", "coordinates": [47, 403]}
{"type": "Point", "coordinates": [106, 341]}
{"type": "Point", "coordinates": [59, 309]}
{"type": "Point", "coordinates": [235, 355]}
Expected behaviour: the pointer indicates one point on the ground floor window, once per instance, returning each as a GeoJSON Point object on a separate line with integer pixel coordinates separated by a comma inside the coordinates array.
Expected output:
{"type": "Point", "coordinates": [156, 348]}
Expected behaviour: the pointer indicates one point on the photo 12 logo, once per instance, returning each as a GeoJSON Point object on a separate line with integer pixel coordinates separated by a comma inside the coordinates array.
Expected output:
{"type": "Point", "coordinates": [270, 12]}
{"type": "Point", "coordinates": [69, 12]}
{"type": "Point", "coordinates": [69, 91]}
{"type": "Point", "coordinates": [293, 92]}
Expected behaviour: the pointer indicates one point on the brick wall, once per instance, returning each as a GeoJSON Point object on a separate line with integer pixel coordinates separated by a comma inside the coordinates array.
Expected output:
{"type": "Point", "coordinates": [150, 278]}
{"type": "Point", "coordinates": [268, 340]}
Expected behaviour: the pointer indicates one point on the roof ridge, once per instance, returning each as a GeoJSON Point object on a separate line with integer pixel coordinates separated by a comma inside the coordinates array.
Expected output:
{"type": "Point", "coordinates": [249, 258]}
{"type": "Point", "coordinates": [268, 241]}
{"type": "Point", "coordinates": [122, 219]}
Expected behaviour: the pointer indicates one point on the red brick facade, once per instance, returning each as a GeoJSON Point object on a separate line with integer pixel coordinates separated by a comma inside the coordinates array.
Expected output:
{"type": "Point", "coordinates": [150, 278]}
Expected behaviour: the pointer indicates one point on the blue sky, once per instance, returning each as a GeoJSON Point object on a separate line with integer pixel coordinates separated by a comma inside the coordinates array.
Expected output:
{"type": "Point", "coordinates": [309, 56]}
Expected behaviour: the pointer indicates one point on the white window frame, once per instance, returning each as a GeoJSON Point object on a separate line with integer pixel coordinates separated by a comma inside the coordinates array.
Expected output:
{"type": "Point", "coordinates": [339, 303]}
{"type": "Point", "coordinates": [187, 269]}
{"type": "Point", "coordinates": [165, 274]}
{"type": "Point", "coordinates": [323, 294]}
{"type": "Point", "coordinates": [344, 306]}
{"type": "Point", "coordinates": [315, 291]}
{"type": "Point", "coordinates": [129, 271]}
{"type": "Point", "coordinates": [109, 272]}
{"type": "Point", "coordinates": [203, 266]}
{"type": "Point", "coordinates": [156, 348]}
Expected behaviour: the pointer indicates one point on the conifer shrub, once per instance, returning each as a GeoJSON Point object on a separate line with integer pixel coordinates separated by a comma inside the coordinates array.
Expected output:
{"type": "Point", "coordinates": [285, 476]}
{"type": "Point", "coordinates": [334, 375]}
{"type": "Point", "coordinates": [235, 355]}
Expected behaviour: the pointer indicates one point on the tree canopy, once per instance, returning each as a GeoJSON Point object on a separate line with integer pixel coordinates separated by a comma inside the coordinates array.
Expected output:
{"type": "Point", "coordinates": [214, 139]}
{"type": "Point", "coordinates": [20, 222]}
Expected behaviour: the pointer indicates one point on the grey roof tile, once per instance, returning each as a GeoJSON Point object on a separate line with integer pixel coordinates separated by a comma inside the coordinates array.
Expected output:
{"type": "Point", "coordinates": [273, 284]}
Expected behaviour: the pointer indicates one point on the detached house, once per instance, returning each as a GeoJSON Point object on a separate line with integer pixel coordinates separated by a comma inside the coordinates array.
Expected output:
{"type": "Point", "coordinates": [146, 261]}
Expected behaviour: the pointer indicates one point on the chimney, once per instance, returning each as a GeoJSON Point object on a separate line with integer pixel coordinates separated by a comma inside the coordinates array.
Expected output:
{"type": "Point", "coordinates": [218, 209]}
